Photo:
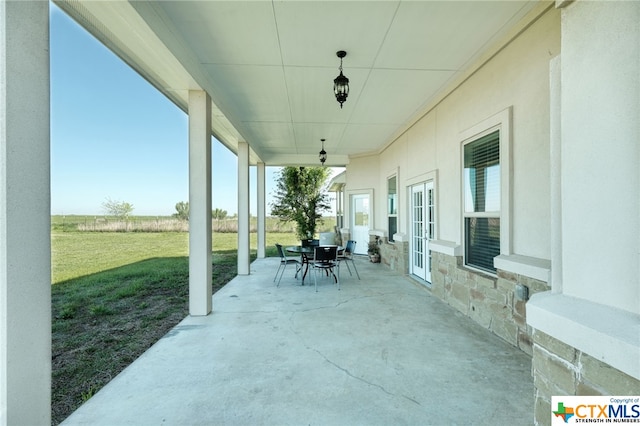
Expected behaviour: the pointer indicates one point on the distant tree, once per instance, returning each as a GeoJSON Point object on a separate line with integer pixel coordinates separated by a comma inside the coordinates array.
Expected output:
{"type": "Point", "coordinates": [219, 214]}
{"type": "Point", "coordinates": [182, 209]}
{"type": "Point", "coordinates": [119, 209]}
{"type": "Point", "coordinates": [300, 197]}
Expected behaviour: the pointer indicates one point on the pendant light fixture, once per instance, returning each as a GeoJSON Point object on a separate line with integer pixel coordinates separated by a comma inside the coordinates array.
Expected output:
{"type": "Point", "coordinates": [323, 153]}
{"type": "Point", "coordinates": [341, 83]}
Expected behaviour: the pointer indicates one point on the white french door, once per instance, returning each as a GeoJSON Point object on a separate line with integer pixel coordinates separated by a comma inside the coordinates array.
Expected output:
{"type": "Point", "coordinates": [360, 217]}
{"type": "Point", "coordinates": [422, 229]}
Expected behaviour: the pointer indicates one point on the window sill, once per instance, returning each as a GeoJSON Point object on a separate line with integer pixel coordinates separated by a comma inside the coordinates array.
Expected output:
{"type": "Point", "coordinates": [400, 238]}
{"type": "Point", "coordinates": [376, 233]}
{"type": "Point", "coordinates": [446, 247]}
{"type": "Point", "coordinates": [608, 334]}
{"type": "Point", "coordinates": [531, 267]}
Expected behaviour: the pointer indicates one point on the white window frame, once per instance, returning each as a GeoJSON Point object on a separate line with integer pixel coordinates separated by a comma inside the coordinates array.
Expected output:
{"type": "Point", "coordinates": [501, 121]}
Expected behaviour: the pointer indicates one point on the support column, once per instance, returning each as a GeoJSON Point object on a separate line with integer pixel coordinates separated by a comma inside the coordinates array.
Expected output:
{"type": "Point", "coordinates": [200, 273]}
{"type": "Point", "coordinates": [556, 173]}
{"type": "Point", "coordinates": [340, 209]}
{"type": "Point", "coordinates": [601, 153]}
{"type": "Point", "coordinates": [262, 232]}
{"type": "Point", "coordinates": [25, 214]}
{"type": "Point", "coordinates": [243, 209]}
{"type": "Point", "coordinates": [595, 210]}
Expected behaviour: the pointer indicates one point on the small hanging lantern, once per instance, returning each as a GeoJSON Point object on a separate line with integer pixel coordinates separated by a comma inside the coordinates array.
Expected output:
{"type": "Point", "coordinates": [323, 153]}
{"type": "Point", "coordinates": [341, 83]}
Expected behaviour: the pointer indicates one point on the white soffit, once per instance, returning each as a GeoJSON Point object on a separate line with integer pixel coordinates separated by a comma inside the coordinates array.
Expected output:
{"type": "Point", "coordinates": [269, 65]}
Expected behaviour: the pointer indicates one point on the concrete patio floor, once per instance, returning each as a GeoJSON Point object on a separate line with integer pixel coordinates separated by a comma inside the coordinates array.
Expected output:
{"type": "Point", "coordinates": [381, 351]}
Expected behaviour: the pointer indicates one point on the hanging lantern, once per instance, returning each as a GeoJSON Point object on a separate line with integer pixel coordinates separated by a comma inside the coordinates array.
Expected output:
{"type": "Point", "coordinates": [323, 153]}
{"type": "Point", "coordinates": [341, 83]}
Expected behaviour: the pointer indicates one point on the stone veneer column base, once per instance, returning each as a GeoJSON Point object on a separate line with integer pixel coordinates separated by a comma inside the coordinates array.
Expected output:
{"type": "Point", "coordinates": [560, 369]}
{"type": "Point", "coordinates": [488, 300]}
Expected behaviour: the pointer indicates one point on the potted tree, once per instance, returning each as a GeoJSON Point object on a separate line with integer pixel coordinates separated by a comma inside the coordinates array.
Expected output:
{"type": "Point", "coordinates": [300, 198]}
{"type": "Point", "coordinates": [374, 251]}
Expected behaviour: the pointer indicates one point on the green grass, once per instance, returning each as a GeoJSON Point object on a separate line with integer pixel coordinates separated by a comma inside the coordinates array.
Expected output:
{"type": "Point", "coordinates": [114, 295]}
{"type": "Point", "coordinates": [77, 254]}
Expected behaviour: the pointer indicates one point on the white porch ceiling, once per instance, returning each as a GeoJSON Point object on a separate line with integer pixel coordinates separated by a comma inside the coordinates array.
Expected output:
{"type": "Point", "coordinates": [269, 65]}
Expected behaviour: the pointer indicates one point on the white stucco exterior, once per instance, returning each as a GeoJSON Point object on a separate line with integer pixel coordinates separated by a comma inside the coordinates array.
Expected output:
{"type": "Point", "coordinates": [601, 152]}
{"type": "Point", "coordinates": [596, 305]}
{"type": "Point", "coordinates": [516, 78]}
{"type": "Point", "coordinates": [570, 83]}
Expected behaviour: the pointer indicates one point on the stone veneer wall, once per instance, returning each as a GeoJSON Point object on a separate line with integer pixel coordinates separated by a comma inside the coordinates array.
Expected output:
{"type": "Point", "coordinates": [488, 300]}
{"type": "Point", "coordinates": [559, 369]}
{"type": "Point", "coordinates": [395, 255]}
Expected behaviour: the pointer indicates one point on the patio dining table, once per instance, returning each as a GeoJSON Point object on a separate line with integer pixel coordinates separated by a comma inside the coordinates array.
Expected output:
{"type": "Point", "coordinates": [306, 255]}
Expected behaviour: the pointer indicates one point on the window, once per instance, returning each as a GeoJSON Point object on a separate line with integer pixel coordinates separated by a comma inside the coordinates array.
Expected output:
{"type": "Point", "coordinates": [482, 201]}
{"type": "Point", "coordinates": [392, 206]}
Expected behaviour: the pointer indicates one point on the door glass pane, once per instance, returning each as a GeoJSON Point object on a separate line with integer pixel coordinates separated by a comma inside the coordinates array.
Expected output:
{"type": "Point", "coordinates": [361, 206]}
{"type": "Point", "coordinates": [431, 226]}
{"type": "Point", "coordinates": [418, 230]}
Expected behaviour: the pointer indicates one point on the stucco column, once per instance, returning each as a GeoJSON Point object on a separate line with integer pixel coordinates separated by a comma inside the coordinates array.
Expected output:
{"type": "Point", "coordinates": [596, 308]}
{"type": "Point", "coordinates": [200, 289]}
{"type": "Point", "coordinates": [243, 208]}
{"type": "Point", "coordinates": [555, 150]}
{"type": "Point", "coordinates": [262, 233]}
{"type": "Point", "coordinates": [25, 214]}
{"type": "Point", "coordinates": [600, 97]}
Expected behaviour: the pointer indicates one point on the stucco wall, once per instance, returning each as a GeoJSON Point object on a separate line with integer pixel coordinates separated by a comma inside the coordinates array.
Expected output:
{"type": "Point", "coordinates": [595, 303]}
{"type": "Point", "coordinates": [517, 77]}
{"type": "Point", "coordinates": [601, 152]}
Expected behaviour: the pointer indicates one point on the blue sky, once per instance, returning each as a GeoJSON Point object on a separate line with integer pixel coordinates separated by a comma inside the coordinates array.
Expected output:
{"type": "Point", "coordinates": [114, 136]}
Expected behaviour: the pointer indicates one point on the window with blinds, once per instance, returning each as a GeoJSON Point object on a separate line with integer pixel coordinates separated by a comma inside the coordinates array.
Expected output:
{"type": "Point", "coordinates": [482, 201]}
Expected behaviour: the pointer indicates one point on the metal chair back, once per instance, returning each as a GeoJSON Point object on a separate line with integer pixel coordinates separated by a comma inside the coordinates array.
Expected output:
{"type": "Point", "coordinates": [325, 254]}
{"type": "Point", "coordinates": [326, 258]}
{"type": "Point", "coordinates": [310, 243]}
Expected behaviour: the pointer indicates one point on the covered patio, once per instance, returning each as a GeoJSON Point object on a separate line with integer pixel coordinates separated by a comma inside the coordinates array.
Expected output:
{"type": "Point", "coordinates": [556, 81]}
{"type": "Point", "coordinates": [381, 350]}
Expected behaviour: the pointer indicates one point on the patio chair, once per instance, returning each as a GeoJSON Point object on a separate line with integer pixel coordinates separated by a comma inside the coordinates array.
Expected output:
{"type": "Point", "coordinates": [284, 261]}
{"type": "Point", "coordinates": [325, 258]}
{"type": "Point", "coordinates": [347, 255]}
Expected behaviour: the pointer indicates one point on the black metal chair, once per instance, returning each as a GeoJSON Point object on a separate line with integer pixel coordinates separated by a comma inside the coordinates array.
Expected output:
{"type": "Point", "coordinates": [325, 258]}
{"type": "Point", "coordinates": [310, 243]}
{"type": "Point", "coordinates": [284, 261]}
{"type": "Point", "coordinates": [347, 256]}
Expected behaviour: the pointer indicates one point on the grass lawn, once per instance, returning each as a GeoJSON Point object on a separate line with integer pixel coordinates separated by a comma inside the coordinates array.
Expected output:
{"type": "Point", "coordinates": [114, 295]}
